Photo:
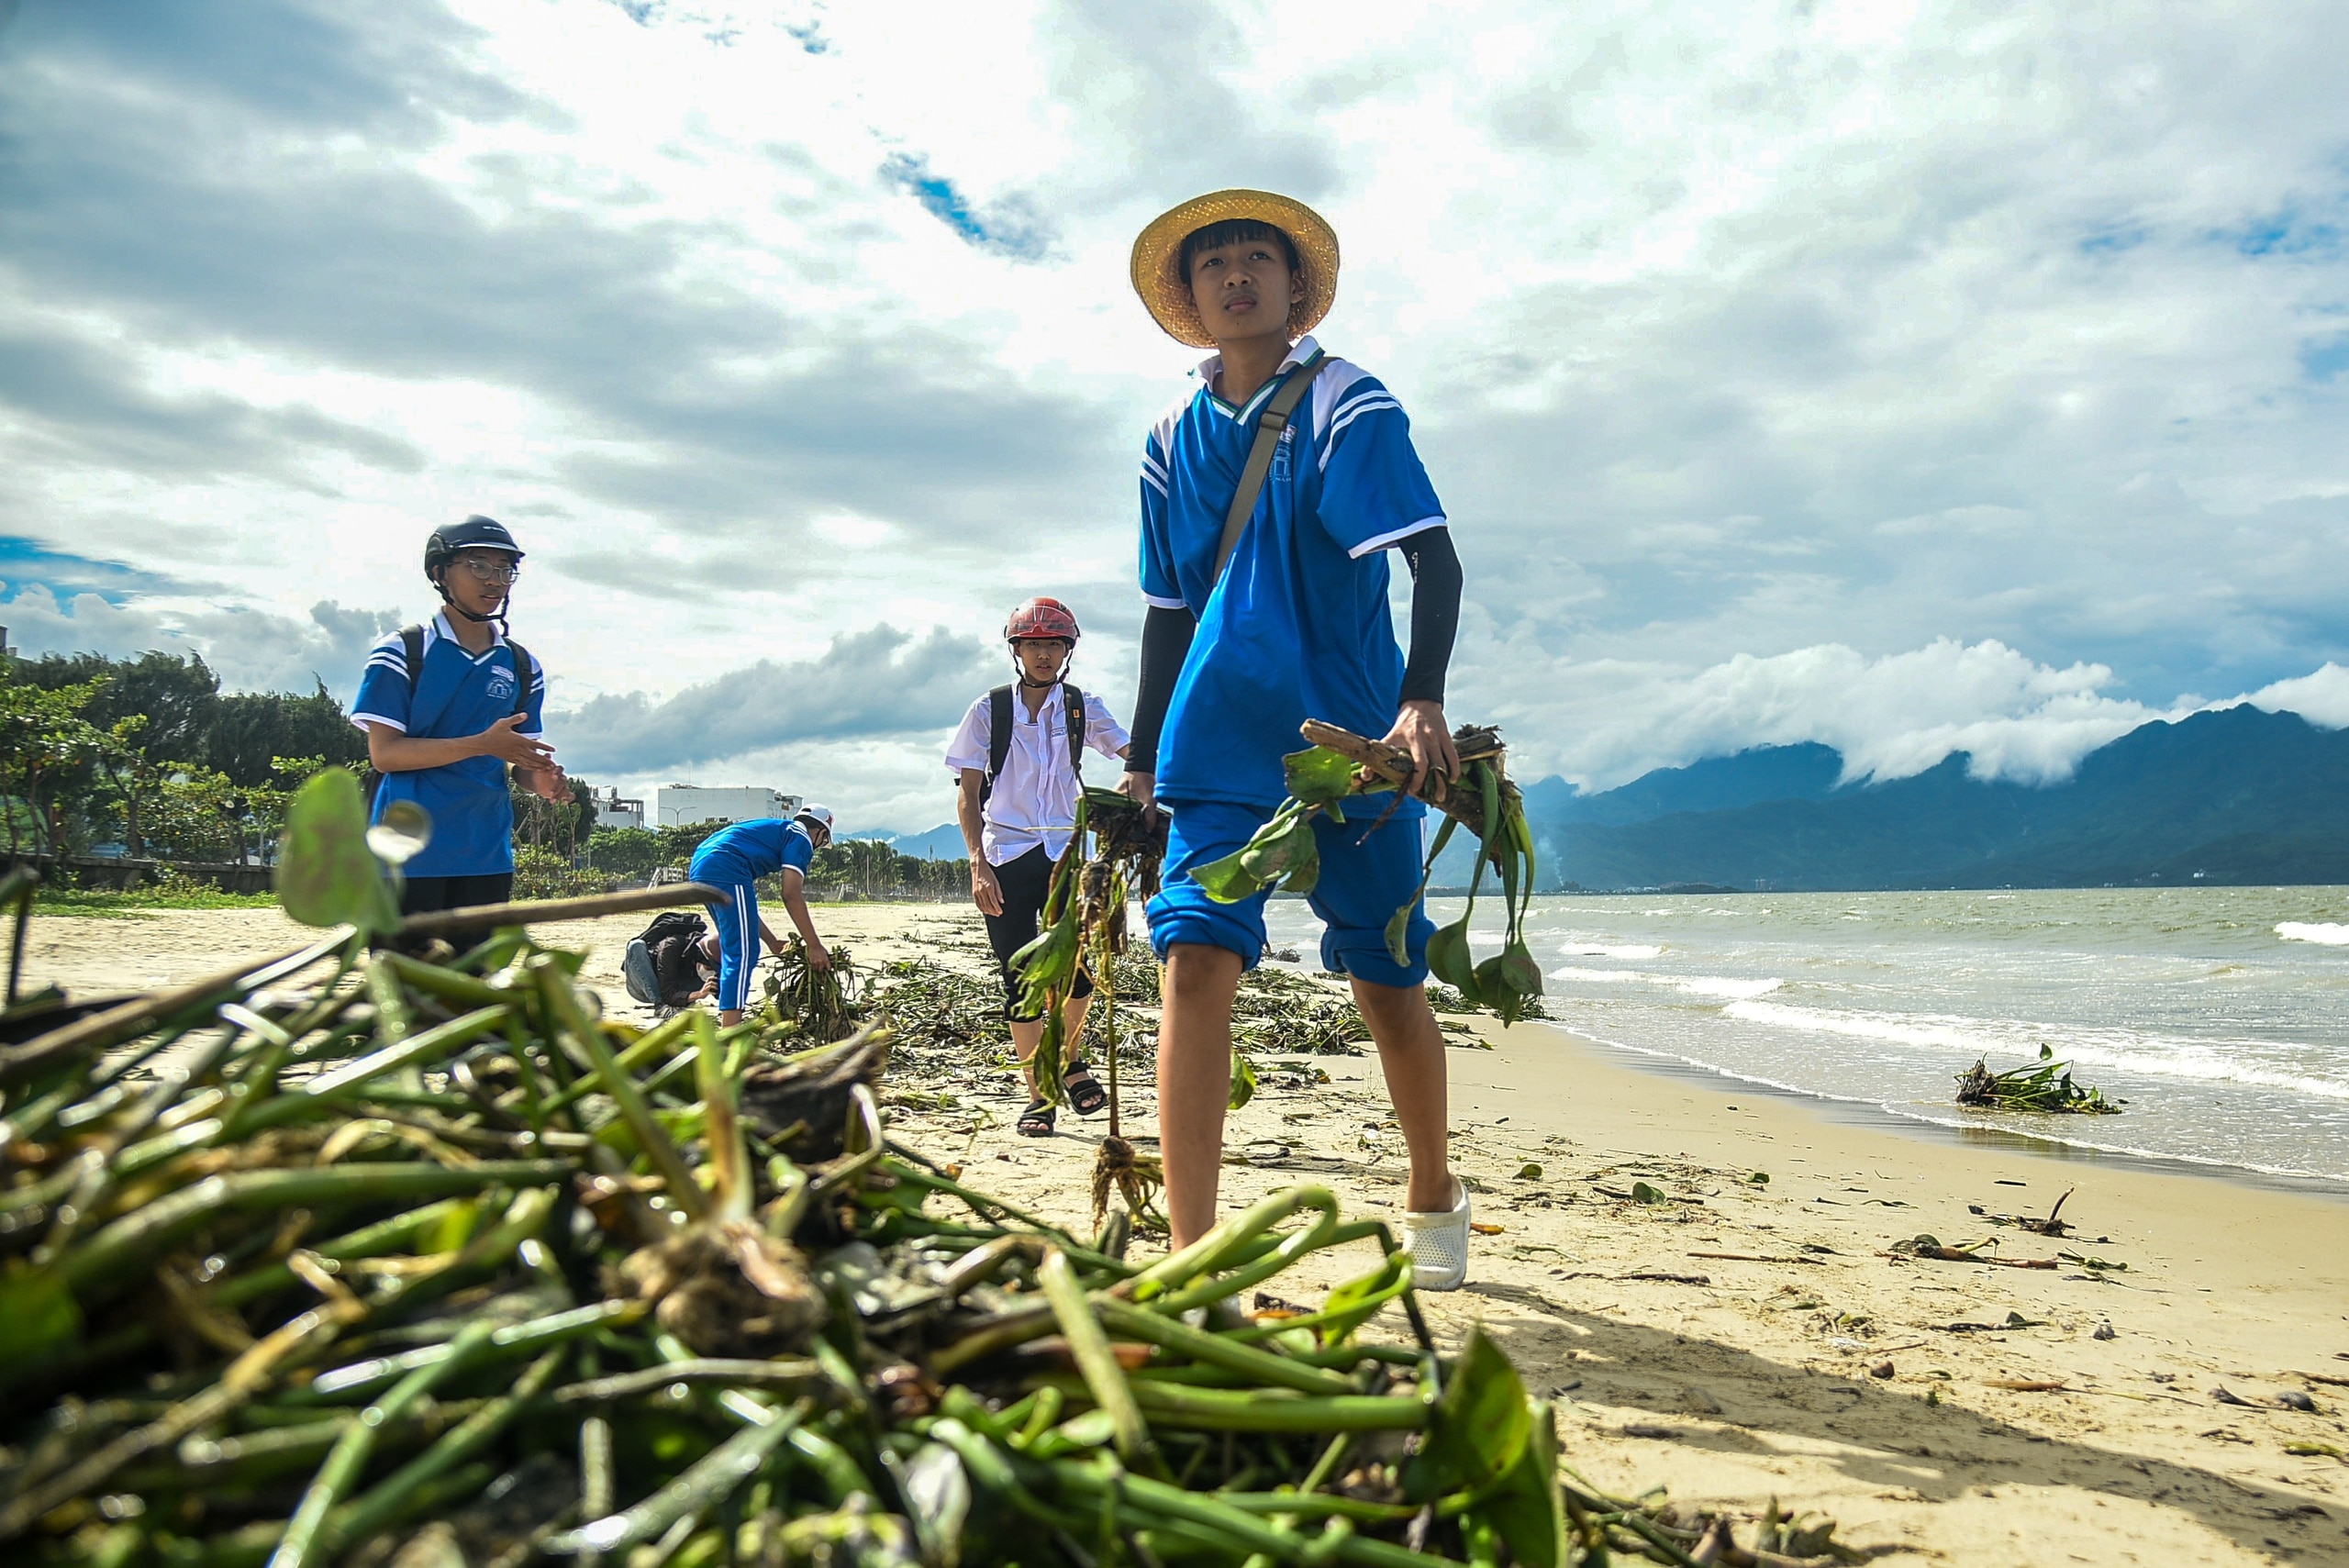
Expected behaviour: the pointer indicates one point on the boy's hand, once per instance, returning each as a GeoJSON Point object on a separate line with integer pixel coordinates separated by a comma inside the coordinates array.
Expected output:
{"type": "Point", "coordinates": [818, 955]}
{"type": "Point", "coordinates": [551, 784]}
{"type": "Point", "coordinates": [1419, 729]}
{"type": "Point", "coordinates": [1141, 788]}
{"type": "Point", "coordinates": [500, 742]}
{"type": "Point", "coordinates": [986, 891]}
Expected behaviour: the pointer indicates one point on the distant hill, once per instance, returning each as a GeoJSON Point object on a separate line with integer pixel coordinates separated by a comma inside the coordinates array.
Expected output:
{"type": "Point", "coordinates": [2238, 796]}
{"type": "Point", "coordinates": [943, 842]}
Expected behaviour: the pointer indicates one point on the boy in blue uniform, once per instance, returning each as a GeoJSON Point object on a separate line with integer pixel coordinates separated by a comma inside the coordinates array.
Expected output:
{"type": "Point", "coordinates": [734, 858]}
{"type": "Point", "coordinates": [1262, 615]}
{"type": "Point", "coordinates": [447, 709]}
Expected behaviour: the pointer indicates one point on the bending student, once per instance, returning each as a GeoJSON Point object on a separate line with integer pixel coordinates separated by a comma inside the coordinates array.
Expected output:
{"type": "Point", "coordinates": [734, 858]}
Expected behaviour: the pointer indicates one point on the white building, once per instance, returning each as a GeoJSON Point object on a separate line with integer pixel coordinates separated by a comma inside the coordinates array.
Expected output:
{"type": "Point", "coordinates": [681, 806]}
{"type": "Point", "coordinates": [611, 811]}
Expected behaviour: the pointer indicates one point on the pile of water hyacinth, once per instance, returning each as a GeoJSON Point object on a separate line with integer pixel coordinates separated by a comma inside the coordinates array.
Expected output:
{"type": "Point", "coordinates": [402, 1254]}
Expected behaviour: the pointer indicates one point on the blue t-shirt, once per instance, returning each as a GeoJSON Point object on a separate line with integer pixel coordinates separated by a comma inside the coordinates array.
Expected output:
{"type": "Point", "coordinates": [1299, 628]}
{"type": "Point", "coordinates": [457, 695]}
{"type": "Point", "coordinates": [753, 850]}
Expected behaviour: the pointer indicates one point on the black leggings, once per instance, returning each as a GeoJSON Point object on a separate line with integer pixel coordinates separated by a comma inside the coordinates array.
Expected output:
{"type": "Point", "coordinates": [430, 895]}
{"type": "Point", "coordinates": [1025, 882]}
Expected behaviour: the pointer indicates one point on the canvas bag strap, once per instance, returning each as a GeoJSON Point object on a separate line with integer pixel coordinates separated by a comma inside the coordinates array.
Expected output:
{"type": "Point", "coordinates": [1270, 422]}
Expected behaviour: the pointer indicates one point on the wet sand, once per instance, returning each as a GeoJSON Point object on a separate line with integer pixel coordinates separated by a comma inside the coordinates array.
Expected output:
{"type": "Point", "coordinates": [1735, 1379]}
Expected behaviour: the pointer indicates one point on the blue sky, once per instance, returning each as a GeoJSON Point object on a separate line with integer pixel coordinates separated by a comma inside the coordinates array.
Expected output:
{"type": "Point", "coordinates": [1906, 377]}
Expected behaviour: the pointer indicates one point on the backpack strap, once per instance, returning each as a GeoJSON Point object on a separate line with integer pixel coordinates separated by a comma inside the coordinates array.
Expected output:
{"type": "Point", "coordinates": [521, 675]}
{"type": "Point", "coordinates": [1073, 705]}
{"type": "Point", "coordinates": [1270, 420]}
{"type": "Point", "coordinates": [412, 645]}
{"type": "Point", "coordinates": [999, 739]}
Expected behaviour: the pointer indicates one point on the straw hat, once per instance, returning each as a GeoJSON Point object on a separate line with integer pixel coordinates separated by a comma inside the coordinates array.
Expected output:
{"type": "Point", "coordinates": [1158, 258]}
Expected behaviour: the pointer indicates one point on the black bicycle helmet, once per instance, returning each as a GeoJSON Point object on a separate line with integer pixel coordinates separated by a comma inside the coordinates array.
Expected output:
{"type": "Point", "coordinates": [475, 532]}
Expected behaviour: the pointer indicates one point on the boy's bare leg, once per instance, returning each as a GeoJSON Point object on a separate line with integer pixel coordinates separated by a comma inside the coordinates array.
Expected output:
{"type": "Point", "coordinates": [1410, 1054]}
{"type": "Point", "coordinates": [1027, 1034]}
{"type": "Point", "coordinates": [1195, 1081]}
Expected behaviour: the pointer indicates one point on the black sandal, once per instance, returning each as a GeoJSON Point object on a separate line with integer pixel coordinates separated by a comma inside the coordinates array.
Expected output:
{"type": "Point", "coordinates": [1085, 1094]}
{"type": "Point", "coordinates": [1036, 1121]}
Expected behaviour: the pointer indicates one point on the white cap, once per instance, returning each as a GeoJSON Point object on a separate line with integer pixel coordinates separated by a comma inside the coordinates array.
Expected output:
{"type": "Point", "coordinates": [820, 815]}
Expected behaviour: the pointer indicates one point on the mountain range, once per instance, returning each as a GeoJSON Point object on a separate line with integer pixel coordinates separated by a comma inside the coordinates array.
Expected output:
{"type": "Point", "coordinates": [2233, 795]}
{"type": "Point", "coordinates": [2230, 796]}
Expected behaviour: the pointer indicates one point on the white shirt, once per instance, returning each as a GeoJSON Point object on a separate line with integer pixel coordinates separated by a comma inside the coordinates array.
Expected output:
{"type": "Point", "coordinates": [1035, 796]}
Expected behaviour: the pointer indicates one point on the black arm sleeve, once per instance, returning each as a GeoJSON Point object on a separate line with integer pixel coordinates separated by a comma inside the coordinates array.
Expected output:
{"type": "Point", "coordinates": [1435, 612]}
{"type": "Point", "coordinates": [1165, 643]}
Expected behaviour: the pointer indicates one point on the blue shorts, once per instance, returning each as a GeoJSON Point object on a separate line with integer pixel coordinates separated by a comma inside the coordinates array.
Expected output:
{"type": "Point", "coordinates": [737, 927]}
{"type": "Point", "coordinates": [1361, 885]}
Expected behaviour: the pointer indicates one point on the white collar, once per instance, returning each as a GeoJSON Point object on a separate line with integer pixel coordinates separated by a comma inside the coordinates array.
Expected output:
{"type": "Point", "coordinates": [444, 628]}
{"type": "Point", "coordinates": [1303, 349]}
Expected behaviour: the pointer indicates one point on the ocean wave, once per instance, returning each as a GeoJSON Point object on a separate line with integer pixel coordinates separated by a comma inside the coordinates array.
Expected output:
{"type": "Point", "coordinates": [1577, 948]}
{"type": "Point", "coordinates": [2123, 1050]}
{"type": "Point", "coordinates": [1723, 987]}
{"type": "Point", "coordinates": [2067, 1135]}
{"type": "Point", "coordinates": [2324, 932]}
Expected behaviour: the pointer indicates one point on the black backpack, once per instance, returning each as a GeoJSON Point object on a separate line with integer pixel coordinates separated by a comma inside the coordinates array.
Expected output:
{"type": "Point", "coordinates": [412, 645]}
{"type": "Point", "coordinates": [1000, 732]}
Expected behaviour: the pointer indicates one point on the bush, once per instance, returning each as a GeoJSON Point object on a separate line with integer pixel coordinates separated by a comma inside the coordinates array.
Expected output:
{"type": "Point", "coordinates": [543, 874]}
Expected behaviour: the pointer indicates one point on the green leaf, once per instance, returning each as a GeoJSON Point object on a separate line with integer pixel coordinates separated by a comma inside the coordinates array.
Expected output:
{"type": "Point", "coordinates": [1243, 1081]}
{"type": "Point", "coordinates": [1306, 870]}
{"type": "Point", "coordinates": [325, 875]}
{"type": "Point", "coordinates": [1478, 1429]}
{"type": "Point", "coordinates": [1317, 775]}
{"type": "Point", "coordinates": [1643, 1193]}
{"type": "Point", "coordinates": [41, 1315]}
{"type": "Point", "coordinates": [1229, 880]}
{"type": "Point", "coordinates": [1349, 1306]}
{"type": "Point", "coordinates": [1529, 1510]}
{"type": "Point", "coordinates": [1450, 961]}
{"type": "Point", "coordinates": [1528, 1172]}
{"type": "Point", "coordinates": [1398, 934]}
{"type": "Point", "coordinates": [1276, 847]}
{"type": "Point", "coordinates": [1758, 1179]}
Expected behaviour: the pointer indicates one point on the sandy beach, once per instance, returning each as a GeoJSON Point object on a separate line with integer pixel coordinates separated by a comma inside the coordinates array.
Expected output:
{"type": "Point", "coordinates": [1736, 1340]}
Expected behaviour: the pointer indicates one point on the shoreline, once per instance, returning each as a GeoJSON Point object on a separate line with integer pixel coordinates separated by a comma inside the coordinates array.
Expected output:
{"type": "Point", "coordinates": [1873, 1115]}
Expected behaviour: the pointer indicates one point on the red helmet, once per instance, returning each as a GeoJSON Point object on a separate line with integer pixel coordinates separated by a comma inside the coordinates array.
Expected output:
{"type": "Point", "coordinates": [1041, 618]}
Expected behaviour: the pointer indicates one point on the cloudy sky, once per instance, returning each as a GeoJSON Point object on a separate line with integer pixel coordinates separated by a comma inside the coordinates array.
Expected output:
{"type": "Point", "coordinates": [1909, 377]}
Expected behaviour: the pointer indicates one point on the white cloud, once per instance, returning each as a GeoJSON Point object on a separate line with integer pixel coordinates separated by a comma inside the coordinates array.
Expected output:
{"type": "Point", "coordinates": [2320, 696]}
{"type": "Point", "coordinates": [1907, 378]}
{"type": "Point", "coordinates": [251, 648]}
{"type": "Point", "coordinates": [1889, 717]}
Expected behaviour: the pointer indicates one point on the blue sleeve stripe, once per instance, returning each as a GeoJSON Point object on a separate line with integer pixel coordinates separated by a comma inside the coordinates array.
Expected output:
{"type": "Point", "coordinates": [395, 662]}
{"type": "Point", "coordinates": [359, 722]}
{"type": "Point", "coordinates": [1364, 395]}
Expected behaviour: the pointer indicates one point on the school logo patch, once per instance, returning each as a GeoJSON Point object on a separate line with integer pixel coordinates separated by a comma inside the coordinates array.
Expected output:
{"type": "Point", "coordinates": [501, 686]}
{"type": "Point", "coordinates": [1281, 449]}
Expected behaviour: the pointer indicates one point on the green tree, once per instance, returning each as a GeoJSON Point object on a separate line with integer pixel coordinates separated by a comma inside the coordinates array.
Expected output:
{"type": "Point", "coordinates": [177, 695]}
{"type": "Point", "coordinates": [47, 749]}
{"type": "Point", "coordinates": [631, 852]}
{"type": "Point", "coordinates": [251, 731]}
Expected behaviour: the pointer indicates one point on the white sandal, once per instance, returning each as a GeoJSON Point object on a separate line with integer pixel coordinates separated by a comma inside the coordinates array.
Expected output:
{"type": "Point", "coordinates": [1438, 1240]}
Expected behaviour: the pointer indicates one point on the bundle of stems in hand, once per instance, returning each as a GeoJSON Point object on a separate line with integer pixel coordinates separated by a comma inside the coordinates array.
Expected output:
{"type": "Point", "coordinates": [821, 1004]}
{"type": "Point", "coordinates": [1341, 765]}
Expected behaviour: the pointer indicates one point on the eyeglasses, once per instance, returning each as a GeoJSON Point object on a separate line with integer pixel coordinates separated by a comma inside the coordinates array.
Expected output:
{"type": "Point", "coordinates": [493, 571]}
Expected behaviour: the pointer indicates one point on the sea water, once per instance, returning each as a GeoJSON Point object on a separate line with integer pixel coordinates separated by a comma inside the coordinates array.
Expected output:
{"type": "Point", "coordinates": [2219, 1014]}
